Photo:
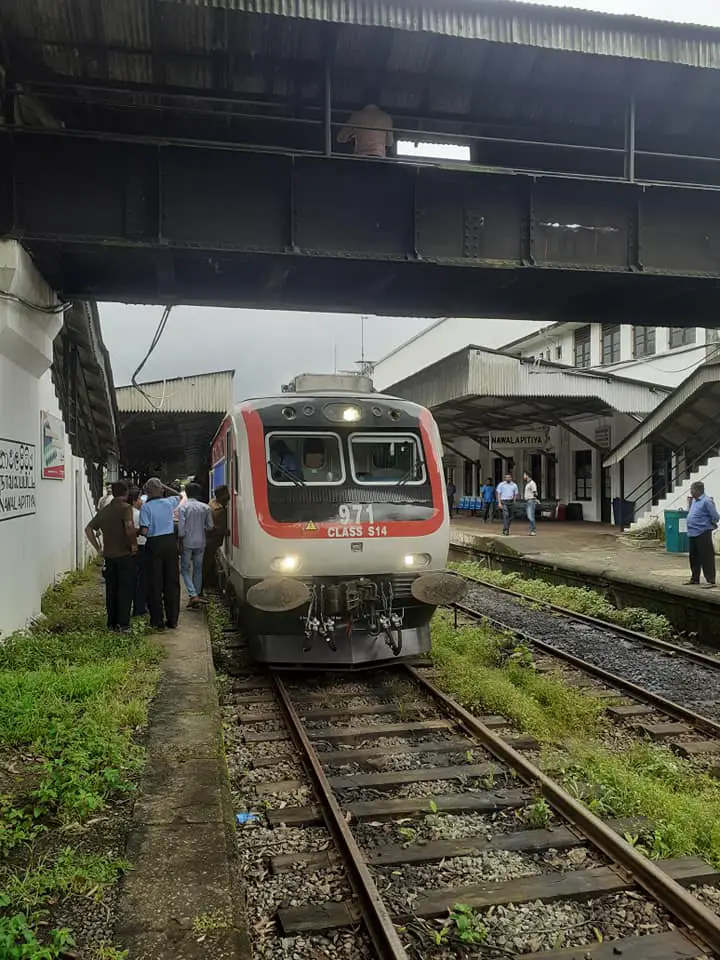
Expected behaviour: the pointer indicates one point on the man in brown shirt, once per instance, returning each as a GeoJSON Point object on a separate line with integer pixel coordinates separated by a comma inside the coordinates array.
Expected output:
{"type": "Point", "coordinates": [216, 536]}
{"type": "Point", "coordinates": [119, 548]}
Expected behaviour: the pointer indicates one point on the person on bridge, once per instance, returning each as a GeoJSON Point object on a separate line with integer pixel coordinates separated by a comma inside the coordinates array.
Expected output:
{"type": "Point", "coordinates": [194, 524]}
{"type": "Point", "coordinates": [119, 547]}
{"type": "Point", "coordinates": [507, 493]}
{"type": "Point", "coordinates": [371, 130]}
{"type": "Point", "coordinates": [702, 519]}
{"type": "Point", "coordinates": [156, 523]}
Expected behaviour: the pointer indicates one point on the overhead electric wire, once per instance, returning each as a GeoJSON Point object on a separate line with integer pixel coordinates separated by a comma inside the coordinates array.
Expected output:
{"type": "Point", "coordinates": [53, 310]}
{"type": "Point", "coordinates": [153, 344]}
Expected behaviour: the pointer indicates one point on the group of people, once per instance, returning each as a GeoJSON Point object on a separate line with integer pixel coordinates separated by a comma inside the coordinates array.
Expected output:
{"type": "Point", "coordinates": [503, 496]}
{"type": "Point", "coordinates": [148, 539]}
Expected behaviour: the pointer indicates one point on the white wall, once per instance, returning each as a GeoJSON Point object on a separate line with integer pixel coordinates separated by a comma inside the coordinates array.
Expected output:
{"type": "Point", "coordinates": [34, 549]}
{"type": "Point", "coordinates": [444, 338]}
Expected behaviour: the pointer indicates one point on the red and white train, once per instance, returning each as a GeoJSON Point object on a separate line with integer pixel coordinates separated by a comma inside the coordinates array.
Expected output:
{"type": "Point", "coordinates": [339, 526]}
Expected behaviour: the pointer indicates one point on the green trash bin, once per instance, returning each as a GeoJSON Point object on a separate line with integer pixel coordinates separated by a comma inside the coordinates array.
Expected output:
{"type": "Point", "coordinates": [676, 539]}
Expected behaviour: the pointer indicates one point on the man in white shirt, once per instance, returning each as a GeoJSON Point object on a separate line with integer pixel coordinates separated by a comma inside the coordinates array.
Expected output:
{"type": "Point", "coordinates": [370, 129]}
{"type": "Point", "coordinates": [531, 499]}
{"type": "Point", "coordinates": [507, 492]}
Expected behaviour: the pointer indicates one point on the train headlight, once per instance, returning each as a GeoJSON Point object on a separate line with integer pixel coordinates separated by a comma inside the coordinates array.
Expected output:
{"type": "Point", "coordinates": [416, 561]}
{"type": "Point", "coordinates": [288, 564]}
{"type": "Point", "coordinates": [351, 414]}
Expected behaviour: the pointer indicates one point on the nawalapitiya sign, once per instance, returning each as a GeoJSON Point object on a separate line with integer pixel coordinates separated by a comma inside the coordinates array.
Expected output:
{"type": "Point", "coordinates": [53, 447]}
{"type": "Point", "coordinates": [17, 479]}
{"type": "Point", "coordinates": [515, 438]}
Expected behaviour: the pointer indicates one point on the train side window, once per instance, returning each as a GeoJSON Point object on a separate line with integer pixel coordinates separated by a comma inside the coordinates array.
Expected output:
{"type": "Point", "coordinates": [236, 474]}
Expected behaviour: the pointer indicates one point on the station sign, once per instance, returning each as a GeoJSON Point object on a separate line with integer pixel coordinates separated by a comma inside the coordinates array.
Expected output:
{"type": "Point", "coordinates": [18, 493]}
{"type": "Point", "coordinates": [516, 438]}
{"type": "Point", "coordinates": [53, 447]}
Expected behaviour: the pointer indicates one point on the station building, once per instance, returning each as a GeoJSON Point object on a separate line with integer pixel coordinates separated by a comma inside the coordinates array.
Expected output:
{"type": "Point", "coordinates": [57, 432]}
{"type": "Point", "coordinates": [565, 402]}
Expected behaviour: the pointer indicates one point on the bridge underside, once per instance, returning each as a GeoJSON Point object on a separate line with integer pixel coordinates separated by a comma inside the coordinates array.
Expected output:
{"type": "Point", "coordinates": [141, 221]}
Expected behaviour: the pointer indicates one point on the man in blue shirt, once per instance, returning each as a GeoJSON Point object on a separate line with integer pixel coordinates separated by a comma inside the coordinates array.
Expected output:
{"type": "Point", "coordinates": [507, 492]}
{"type": "Point", "coordinates": [156, 523]}
{"type": "Point", "coordinates": [487, 494]}
{"type": "Point", "coordinates": [194, 523]}
{"type": "Point", "coordinates": [702, 519]}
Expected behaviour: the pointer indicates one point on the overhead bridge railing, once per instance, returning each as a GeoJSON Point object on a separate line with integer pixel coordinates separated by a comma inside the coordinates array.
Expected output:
{"type": "Point", "coordinates": [266, 126]}
{"type": "Point", "coordinates": [653, 488]}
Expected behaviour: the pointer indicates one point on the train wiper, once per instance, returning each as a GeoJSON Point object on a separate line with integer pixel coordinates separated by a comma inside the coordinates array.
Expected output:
{"type": "Point", "coordinates": [411, 473]}
{"type": "Point", "coordinates": [284, 472]}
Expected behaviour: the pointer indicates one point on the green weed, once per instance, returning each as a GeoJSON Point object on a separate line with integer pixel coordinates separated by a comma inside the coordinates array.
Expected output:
{"type": "Point", "coordinates": [72, 695]}
{"type": "Point", "coordinates": [577, 599]}
{"type": "Point", "coordinates": [471, 663]}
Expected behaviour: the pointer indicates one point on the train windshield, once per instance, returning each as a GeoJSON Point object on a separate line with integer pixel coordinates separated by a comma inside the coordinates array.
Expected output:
{"type": "Point", "coordinates": [304, 459]}
{"type": "Point", "coordinates": [386, 459]}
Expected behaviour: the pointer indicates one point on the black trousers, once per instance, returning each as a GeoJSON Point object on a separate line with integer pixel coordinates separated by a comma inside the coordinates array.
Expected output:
{"type": "Point", "coordinates": [140, 595]}
{"type": "Point", "coordinates": [119, 583]}
{"type": "Point", "coordinates": [488, 510]}
{"type": "Point", "coordinates": [702, 557]}
{"type": "Point", "coordinates": [163, 580]}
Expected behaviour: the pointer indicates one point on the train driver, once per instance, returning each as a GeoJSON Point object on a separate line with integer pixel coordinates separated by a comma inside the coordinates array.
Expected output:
{"type": "Point", "coordinates": [315, 467]}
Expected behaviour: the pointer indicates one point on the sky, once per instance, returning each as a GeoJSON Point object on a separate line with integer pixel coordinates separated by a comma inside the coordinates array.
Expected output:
{"type": "Point", "coordinates": [267, 348]}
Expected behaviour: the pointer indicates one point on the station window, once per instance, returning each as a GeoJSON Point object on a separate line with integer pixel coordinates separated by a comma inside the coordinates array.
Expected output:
{"type": "Point", "coordinates": [304, 459]}
{"type": "Point", "coordinates": [583, 474]}
{"type": "Point", "coordinates": [610, 343]}
{"type": "Point", "coordinates": [429, 150]}
{"type": "Point", "coordinates": [643, 342]}
{"type": "Point", "coordinates": [681, 336]}
{"type": "Point", "coordinates": [386, 459]}
{"type": "Point", "coordinates": [558, 353]}
{"type": "Point", "coordinates": [582, 347]}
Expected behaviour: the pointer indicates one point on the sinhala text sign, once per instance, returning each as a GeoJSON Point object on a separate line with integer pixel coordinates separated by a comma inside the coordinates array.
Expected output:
{"type": "Point", "coordinates": [17, 479]}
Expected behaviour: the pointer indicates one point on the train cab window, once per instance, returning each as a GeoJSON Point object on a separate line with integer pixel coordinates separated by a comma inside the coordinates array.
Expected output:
{"type": "Point", "coordinates": [304, 458]}
{"type": "Point", "coordinates": [386, 459]}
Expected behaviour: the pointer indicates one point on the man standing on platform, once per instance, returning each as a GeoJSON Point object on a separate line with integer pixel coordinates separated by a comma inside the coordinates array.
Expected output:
{"type": "Point", "coordinates": [507, 492]}
{"type": "Point", "coordinates": [119, 547]}
{"type": "Point", "coordinates": [156, 523]}
{"type": "Point", "coordinates": [216, 537]}
{"type": "Point", "coordinates": [531, 499]}
{"type": "Point", "coordinates": [702, 519]}
{"type": "Point", "coordinates": [194, 524]}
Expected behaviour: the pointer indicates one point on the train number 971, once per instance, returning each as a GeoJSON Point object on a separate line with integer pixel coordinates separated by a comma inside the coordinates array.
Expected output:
{"type": "Point", "coordinates": [356, 513]}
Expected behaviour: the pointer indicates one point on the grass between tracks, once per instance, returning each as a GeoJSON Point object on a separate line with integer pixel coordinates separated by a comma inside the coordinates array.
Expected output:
{"type": "Point", "coordinates": [577, 599]}
{"type": "Point", "coordinates": [72, 698]}
{"type": "Point", "coordinates": [489, 673]}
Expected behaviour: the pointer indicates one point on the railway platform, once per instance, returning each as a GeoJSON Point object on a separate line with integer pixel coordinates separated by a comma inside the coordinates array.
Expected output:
{"type": "Point", "coordinates": [639, 573]}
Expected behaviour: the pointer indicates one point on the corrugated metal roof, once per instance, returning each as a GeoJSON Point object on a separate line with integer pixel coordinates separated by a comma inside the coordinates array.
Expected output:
{"type": "Point", "coordinates": [670, 409]}
{"type": "Point", "coordinates": [489, 375]}
{"type": "Point", "coordinates": [557, 28]}
{"type": "Point", "coordinates": [202, 393]}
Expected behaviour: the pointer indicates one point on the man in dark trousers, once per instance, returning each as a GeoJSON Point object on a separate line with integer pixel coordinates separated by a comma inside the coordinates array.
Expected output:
{"type": "Point", "coordinates": [119, 547]}
{"type": "Point", "coordinates": [702, 519]}
{"type": "Point", "coordinates": [156, 523]}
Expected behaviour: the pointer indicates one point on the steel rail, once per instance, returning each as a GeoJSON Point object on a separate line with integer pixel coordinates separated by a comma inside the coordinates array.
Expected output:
{"type": "Point", "coordinates": [377, 919]}
{"type": "Point", "coordinates": [666, 891]}
{"type": "Point", "coordinates": [703, 658]}
{"type": "Point", "coordinates": [612, 679]}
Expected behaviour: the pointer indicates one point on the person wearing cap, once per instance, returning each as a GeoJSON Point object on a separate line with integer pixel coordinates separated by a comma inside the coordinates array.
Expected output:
{"type": "Point", "coordinates": [156, 524]}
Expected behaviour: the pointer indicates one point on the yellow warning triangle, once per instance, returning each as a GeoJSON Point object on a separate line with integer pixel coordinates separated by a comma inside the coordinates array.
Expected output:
{"type": "Point", "coordinates": [311, 526]}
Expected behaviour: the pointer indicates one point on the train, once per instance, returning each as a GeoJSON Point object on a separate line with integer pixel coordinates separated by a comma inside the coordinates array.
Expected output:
{"type": "Point", "coordinates": [338, 526]}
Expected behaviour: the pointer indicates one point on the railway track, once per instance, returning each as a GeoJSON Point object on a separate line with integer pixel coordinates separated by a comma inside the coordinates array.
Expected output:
{"type": "Point", "coordinates": [391, 759]}
{"type": "Point", "coordinates": [692, 731]}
